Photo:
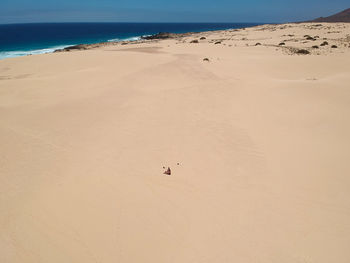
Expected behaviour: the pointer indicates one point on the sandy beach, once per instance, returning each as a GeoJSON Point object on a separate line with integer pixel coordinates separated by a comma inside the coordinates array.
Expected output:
{"type": "Point", "coordinates": [255, 132]}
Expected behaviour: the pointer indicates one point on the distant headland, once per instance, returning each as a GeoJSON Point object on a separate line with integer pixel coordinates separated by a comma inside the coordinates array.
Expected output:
{"type": "Point", "coordinates": [343, 16]}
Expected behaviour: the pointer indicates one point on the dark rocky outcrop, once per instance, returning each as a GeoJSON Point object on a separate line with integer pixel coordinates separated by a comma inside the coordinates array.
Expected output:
{"type": "Point", "coordinates": [310, 38]}
{"type": "Point", "coordinates": [160, 35]}
{"type": "Point", "coordinates": [167, 35]}
{"type": "Point", "coordinates": [76, 47]}
{"type": "Point", "coordinates": [302, 52]}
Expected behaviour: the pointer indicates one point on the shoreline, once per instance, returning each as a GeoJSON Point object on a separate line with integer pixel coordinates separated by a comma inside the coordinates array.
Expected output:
{"type": "Point", "coordinates": [179, 36]}
{"type": "Point", "coordinates": [165, 35]}
{"type": "Point", "coordinates": [121, 34]}
{"type": "Point", "coordinates": [143, 39]}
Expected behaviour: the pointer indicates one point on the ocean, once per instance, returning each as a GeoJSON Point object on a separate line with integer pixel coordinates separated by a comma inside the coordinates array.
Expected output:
{"type": "Point", "coordinates": [29, 39]}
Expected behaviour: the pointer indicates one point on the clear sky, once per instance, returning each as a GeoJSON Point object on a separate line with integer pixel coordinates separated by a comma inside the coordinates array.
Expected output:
{"type": "Point", "coordinates": [23, 11]}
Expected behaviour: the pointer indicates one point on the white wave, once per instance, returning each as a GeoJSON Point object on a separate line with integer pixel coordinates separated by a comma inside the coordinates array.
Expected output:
{"type": "Point", "coordinates": [19, 53]}
{"type": "Point", "coordinates": [125, 39]}
{"type": "Point", "coordinates": [114, 40]}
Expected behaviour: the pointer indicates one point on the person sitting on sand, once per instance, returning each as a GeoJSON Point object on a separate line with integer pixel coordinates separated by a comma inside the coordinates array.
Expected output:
{"type": "Point", "coordinates": [168, 171]}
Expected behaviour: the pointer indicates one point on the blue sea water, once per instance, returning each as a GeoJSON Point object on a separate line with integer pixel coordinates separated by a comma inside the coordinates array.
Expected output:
{"type": "Point", "coordinates": [28, 39]}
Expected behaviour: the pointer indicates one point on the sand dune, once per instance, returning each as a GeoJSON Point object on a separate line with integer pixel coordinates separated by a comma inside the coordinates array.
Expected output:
{"type": "Point", "coordinates": [257, 139]}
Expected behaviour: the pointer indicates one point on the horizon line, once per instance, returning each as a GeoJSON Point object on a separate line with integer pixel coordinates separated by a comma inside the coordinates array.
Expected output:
{"type": "Point", "coordinates": [109, 22]}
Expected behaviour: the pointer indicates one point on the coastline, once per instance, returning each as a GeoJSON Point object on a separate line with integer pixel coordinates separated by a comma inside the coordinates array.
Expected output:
{"type": "Point", "coordinates": [166, 36]}
{"type": "Point", "coordinates": [140, 40]}
{"type": "Point", "coordinates": [290, 49]}
{"type": "Point", "coordinates": [30, 39]}
{"type": "Point", "coordinates": [255, 132]}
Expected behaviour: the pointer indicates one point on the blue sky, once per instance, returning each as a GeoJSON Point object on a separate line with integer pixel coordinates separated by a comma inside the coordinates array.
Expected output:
{"type": "Point", "coordinates": [27, 11]}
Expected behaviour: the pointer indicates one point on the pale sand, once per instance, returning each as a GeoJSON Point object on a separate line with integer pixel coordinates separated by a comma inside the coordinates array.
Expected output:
{"type": "Point", "coordinates": [261, 138]}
